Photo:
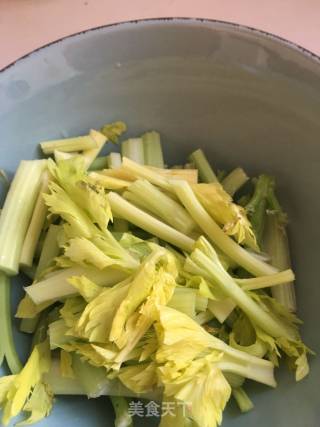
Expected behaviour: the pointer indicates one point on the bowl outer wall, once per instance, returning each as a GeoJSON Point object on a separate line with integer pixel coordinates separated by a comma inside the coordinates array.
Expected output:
{"type": "Point", "coordinates": [247, 98]}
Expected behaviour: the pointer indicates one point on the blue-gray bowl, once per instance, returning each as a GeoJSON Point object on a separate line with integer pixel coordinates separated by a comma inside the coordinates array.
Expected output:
{"type": "Point", "coordinates": [246, 97]}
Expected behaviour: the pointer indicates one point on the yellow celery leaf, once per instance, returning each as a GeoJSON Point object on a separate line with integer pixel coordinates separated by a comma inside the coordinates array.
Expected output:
{"type": "Point", "coordinates": [86, 288]}
{"type": "Point", "coordinates": [66, 364]}
{"type": "Point", "coordinates": [140, 378]}
{"type": "Point", "coordinates": [25, 382]}
{"type": "Point", "coordinates": [232, 217]}
{"type": "Point", "coordinates": [39, 404]}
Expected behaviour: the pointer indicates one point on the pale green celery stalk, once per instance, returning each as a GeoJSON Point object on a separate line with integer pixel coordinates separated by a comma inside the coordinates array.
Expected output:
{"type": "Point", "coordinates": [206, 173]}
{"type": "Point", "coordinates": [148, 223]}
{"type": "Point", "coordinates": [242, 399]}
{"type": "Point", "coordinates": [201, 303]}
{"type": "Point", "coordinates": [41, 331]}
{"type": "Point", "coordinates": [270, 281]}
{"type": "Point", "coordinates": [114, 160]}
{"type": "Point", "coordinates": [61, 155]}
{"type": "Point", "coordinates": [234, 181]}
{"type": "Point", "coordinates": [204, 317]}
{"type": "Point", "coordinates": [227, 285]}
{"type": "Point", "coordinates": [161, 205]}
{"type": "Point", "coordinates": [70, 386]}
{"type": "Point", "coordinates": [276, 245]}
{"type": "Point", "coordinates": [221, 309]}
{"type": "Point", "coordinates": [257, 206]}
{"type": "Point", "coordinates": [147, 173]}
{"type": "Point", "coordinates": [99, 163]}
{"type": "Point", "coordinates": [35, 226]}
{"type": "Point", "coordinates": [90, 154]}
{"type": "Point", "coordinates": [17, 211]}
{"type": "Point", "coordinates": [133, 149]}
{"type": "Point", "coordinates": [152, 149]}
{"type": "Point", "coordinates": [7, 347]}
{"type": "Point", "coordinates": [225, 243]}
{"type": "Point", "coordinates": [92, 379]}
{"type": "Point", "coordinates": [120, 225]}
{"type": "Point", "coordinates": [50, 249]}
{"type": "Point", "coordinates": [184, 300]}
{"type": "Point", "coordinates": [234, 380]}
{"type": "Point", "coordinates": [28, 326]}
{"type": "Point", "coordinates": [57, 287]}
{"type": "Point", "coordinates": [68, 145]}
{"type": "Point", "coordinates": [121, 409]}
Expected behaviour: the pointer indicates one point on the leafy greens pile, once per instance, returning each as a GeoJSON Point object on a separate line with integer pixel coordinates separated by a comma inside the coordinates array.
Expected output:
{"type": "Point", "coordinates": [147, 281]}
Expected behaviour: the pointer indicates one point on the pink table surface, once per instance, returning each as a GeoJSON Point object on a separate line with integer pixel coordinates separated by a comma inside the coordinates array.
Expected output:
{"type": "Point", "coordinates": [28, 24]}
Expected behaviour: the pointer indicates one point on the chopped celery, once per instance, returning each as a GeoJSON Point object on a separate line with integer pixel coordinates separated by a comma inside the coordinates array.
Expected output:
{"type": "Point", "coordinates": [7, 347]}
{"type": "Point", "coordinates": [108, 182]}
{"type": "Point", "coordinates": [133, 149]}
{"type": "Point", "coordinates": [234, 181]}
{"type": "Point", "coordinates": [61, 155]}
{"type": "Point", "coordinates": [114, 160]}
{"type": "Point", "coordinates": [227, 284]}
{"type": "Point", "coordinates": [28, 326]}
{"type": "Point", "coordinates": [148, 223]}
{"type": "Point", "coordinates": [234, 380]}
{"type": "Point", "coordinates": [50, 249]}
{"type": "Point", "coordinates": [216, 235]}
{"type": "Point", "coordinates": [206, 173]}
{"type": "Point", "coordinates": [152, 149]}
{"type": "Point", "coordinates": [99, 163]}
{"type": "Point", "coordinates": [17, 211]}
{"type": "Point", "coordinates": [155, 201]}
{"type": "Point", "coordinates": [204, 317]}
{"type": "Point", "coordinates": [35, 226]}
{"type": "Point", "coordinates": [221, 309]}
{"type": "Point", "coordinates": [189, 175]}
{"type": "Point", "coordinates": [242, 399]}
{"type": "Point", "coordinates": [277, 246]}
{"type": "Point", "coordinates": [276, 279]}
{"type": "Point", "coordinates": [147, 173]}
{"type": "Point", "coordinates": [121, 409]}
{"type": "Point", "coordinates": [68, 145]}
{"type": "Point", "coordinates": [257, 206]}
{"type": "Point", "coordinates": [184, 300]}
{"type": "Point", "coordinates": [90, 154]}
{"type": "Point", "coordinates": [57, 286]}
{"type": "Point", "coordinates": [113, 130]}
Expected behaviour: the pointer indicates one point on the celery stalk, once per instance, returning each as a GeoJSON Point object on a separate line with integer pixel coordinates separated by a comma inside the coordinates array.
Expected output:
{"type": "Point", "coordinates": [35, 226]}
{"type": "Point", "coordinates": [242, 399]}
{"type": "Point", "coordinates": [90, 155]}
{"type": "Point", "coordinates": [50, 249]}
{"type": "Point", "coordinates": [28, 326]}
{"type": "Point", "coordinates": [57, 286]}
{"type": "Point", "coordinates": [121, 409]}
{"type": "Point", "coordinates": [114, 160]}
{"type": "Point", "coordinates": [147, 173]}
{"type": "Point", "coordinates": [234, 181]}
{"type": "Point", "coordinates": [277, 246]}
{"type": "Point", "coordinates": [270, 281]}
{"type": "Point", "coordinates": [92, 379]}
{"type": "Point", "coordinates": [184, 300]}
{"type": "Point", "coordinates": [68, 145]}
{"type": "Point", "coordinates": [204, 317]}
{"type": "Point", "coordinates": [61, 155]}
{"type": "Point", "coordinates": [133, 149]}
{"type": "Point", "coordinates": [257, 206]}
{"type": "Point", "coordinates": [17, 211]}
{"type": "Point", "coordinates": [160, 205]}
{"type": "Point", "coordinates": [221, 309]}
{"type": "Point", "coordinates": [216, 235]}
{"type": "Point", "coordinates": [7, 347]}
{"type": "Point", "coordinates": [206, 173]}
{"type": "Point", "coordinates": [152, 149]}
{"type": "Point", "coordinates": [108, 182]}
{"type": "Point", "coordinates": [229, 287]}
{"type": "Point", "coordinates": [99, 163]}
{"type": "Point", "coordinates": [148, 223]}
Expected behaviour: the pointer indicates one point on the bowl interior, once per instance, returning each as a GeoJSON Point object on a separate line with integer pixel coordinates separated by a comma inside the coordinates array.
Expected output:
{"type": "Point", "coordinates": [246, 98]}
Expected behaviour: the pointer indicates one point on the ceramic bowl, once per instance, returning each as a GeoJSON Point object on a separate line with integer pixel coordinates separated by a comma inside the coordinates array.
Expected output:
{"type": "Point", "coordinates": [246, 97]}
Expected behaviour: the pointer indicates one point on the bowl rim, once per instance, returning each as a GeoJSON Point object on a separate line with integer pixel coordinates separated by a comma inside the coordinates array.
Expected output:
{"type": "Point", "coordinates": [306, 53]}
